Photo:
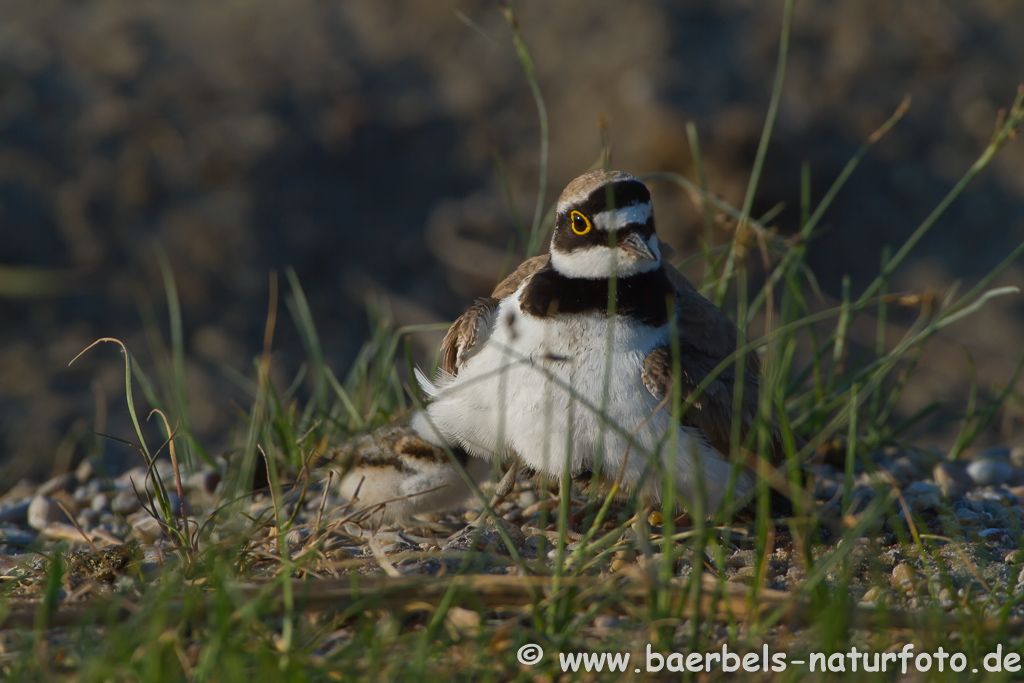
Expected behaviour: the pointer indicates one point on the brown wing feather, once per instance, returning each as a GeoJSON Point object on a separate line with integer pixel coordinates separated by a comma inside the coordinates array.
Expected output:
{"type": "Point", "coordinates": [464, 332]}
{"type": "Point", "coordinates": [707, 337]}
{"type": "Point", "coordinates": [510, 284]}
{"type": "Point", "coordinates": [462, 335]}
{"type": "Point", "coordinates": [711, 412]}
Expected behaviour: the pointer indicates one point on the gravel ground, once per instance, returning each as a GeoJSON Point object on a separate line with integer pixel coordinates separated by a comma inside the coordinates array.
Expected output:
{"type": "Point", "coordinates": [972, 511]}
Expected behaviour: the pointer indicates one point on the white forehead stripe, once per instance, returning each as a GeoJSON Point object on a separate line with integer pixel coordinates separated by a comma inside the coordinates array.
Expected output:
{"type": "Point", "coordinates": [618, 218]}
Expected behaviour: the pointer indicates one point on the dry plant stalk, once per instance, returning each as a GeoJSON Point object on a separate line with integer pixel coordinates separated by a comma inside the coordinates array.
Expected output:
{"type": "Point", "coordinates": [718, 601]}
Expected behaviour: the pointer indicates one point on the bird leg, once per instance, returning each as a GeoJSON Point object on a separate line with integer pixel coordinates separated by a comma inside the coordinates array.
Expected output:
{"type": "Point", "coordinates": [504, 487]}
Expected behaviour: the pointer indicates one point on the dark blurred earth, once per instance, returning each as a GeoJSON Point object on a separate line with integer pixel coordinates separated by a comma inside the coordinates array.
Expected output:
{"type": "Point", "coordinates": [357, 142]}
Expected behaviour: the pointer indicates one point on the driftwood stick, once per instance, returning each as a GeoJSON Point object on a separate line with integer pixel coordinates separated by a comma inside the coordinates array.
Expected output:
{"type": "Point", "coordinates": [522, 593]}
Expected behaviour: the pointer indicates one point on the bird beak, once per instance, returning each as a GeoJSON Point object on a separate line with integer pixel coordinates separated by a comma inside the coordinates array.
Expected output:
{"type": "Point", "coordinates": [635, 245]}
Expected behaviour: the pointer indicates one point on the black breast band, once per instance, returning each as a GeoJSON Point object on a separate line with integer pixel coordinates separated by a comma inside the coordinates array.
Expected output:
{"type": "Point", "coordinates": [643, 297]}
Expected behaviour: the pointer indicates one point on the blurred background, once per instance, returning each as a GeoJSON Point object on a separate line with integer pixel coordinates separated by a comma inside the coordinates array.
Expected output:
{"type": "Point", "coordinates": [359, 142]}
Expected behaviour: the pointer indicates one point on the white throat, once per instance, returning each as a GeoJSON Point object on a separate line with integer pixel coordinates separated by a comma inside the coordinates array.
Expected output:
{"type": "Point", "coordinates": [598, 262]}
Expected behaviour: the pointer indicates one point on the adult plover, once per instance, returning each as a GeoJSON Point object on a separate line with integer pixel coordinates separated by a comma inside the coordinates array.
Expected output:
{"type": "Point", "coordinates": [565, 368]}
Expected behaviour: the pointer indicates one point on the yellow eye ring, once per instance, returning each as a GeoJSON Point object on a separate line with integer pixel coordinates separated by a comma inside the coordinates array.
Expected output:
{"type": "Point", "coordinates": [580, 223]}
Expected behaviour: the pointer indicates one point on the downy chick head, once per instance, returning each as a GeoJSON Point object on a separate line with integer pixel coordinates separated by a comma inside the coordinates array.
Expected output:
{"type": "Point", "coordinates": [604, 226]}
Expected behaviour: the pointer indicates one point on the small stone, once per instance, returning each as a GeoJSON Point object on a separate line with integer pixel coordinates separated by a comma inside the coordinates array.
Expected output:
{"type": "Point", "coordinates": [94, 487]}
{"type": "Point", "coordinates": [295, 537]}
{"type": "Point", "coordinates": [927, 502]}
{"type": "Point", "coordinates": [460, 620]}
{"type": "Point", "coordinates": [136, 475]}
{"type": "Point", "coordinates": [125, 502]}
{"type": "Point", "coordinates": [260, 508]}
{"type": "Point", "coordinates": [62, 531]}
{"type": "Point", "coordinates": [904, 468]}
{"type": "Point", "coordinates": [144, 527]}
{"type": "Point", "coordinates": [995, 453]}
{"type": "Point", "coordinates": [992, 535]}
{"type": "Point", "coordinates": [100, 501]}
{"type": "Point", "coordinates": [1014, 557]}
{"type": "Point", "coordinates": [655, 518]}
{"type": "Point", "coordinates": [88, 518]}
{"type": "Point", "coordinates": [548, 504]}
{"type": "Point", "coordinates": [736, 560]}
{"type": "Point", "coordinates": [205, 481]}
{"type": "Point", "coordinates": [515, 516]}
{"type": "Point", "coordinates": [553, 553]}
{"type": "Point", "coordinates": [486, 538]}
{"type": "Point", "coordinates": [24, 489]}
{"type": "Point", "coordinates": [43, 511]}
{"type": "Point", "coordinates": [166, 471]}
{"type": "Point", "coordinates": [1017, 456]}
{"type": "Point", "coordinates": [872, 594]}
{"type": "Point", "coordinates": [62, 482]}
{"type": "Point", "coordinates": [921, 495]}
{"type": "Point", "coordinates": [15, 513]}
{"type": "Point", "coordinates": [174, 503]}
{"type": "Point", "coordinates": [606, 622]}
{"type": "Point", "coordinates": [860, 501]}
{"type": "Point", "coordinates": [16, 537]}
{"type": "Point", "coordinates": [921, 488]}
{"type": "Point", "coordinates": [902, 576]}
{"type": "Point", "coordinates": [994, 509]}
{"type": "Point", "coordinates": [626, 555]}
{"type": "Point", "coordinates": [968, 516]}
{"type": "Point", "coordinates": [339, 555]}
{"type": "Point", "coordinates": [526, 499]}
{"type": "Point", "coordinates": [81, 497]}
{"type": "Point", "coordinates": [85, 471]}
{"type": "Point", "coordinates": [825, 489]}
{"type": "Point", "coordinates": [987, 472]}
{"type": "Point", "coordinates": [532, 543]}
{"type": "Point", "coordinates": [1000, 496]}
{"type": "Point", "coordinates": [952, 478]}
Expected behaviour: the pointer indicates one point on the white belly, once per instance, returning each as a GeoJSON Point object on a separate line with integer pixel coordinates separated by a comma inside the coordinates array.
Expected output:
{"type": "Point", "coordinates": [565, 396]}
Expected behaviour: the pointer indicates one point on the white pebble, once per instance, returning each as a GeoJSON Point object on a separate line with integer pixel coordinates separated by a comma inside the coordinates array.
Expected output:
{"type": "Point", "coordinates": [43, 511]}
{"type": "Point", "coordinates": [989, 472]}
{"type": "Point", "coordinates": [526, 499]}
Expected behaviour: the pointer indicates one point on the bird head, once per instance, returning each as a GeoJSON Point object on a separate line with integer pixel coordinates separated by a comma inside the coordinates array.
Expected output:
{"type": "Point", "coordinates": [604, 225]}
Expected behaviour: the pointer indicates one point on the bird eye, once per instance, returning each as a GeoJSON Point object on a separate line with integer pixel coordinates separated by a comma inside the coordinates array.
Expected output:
{"type": "Point", "coordinates": [580, 223]}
